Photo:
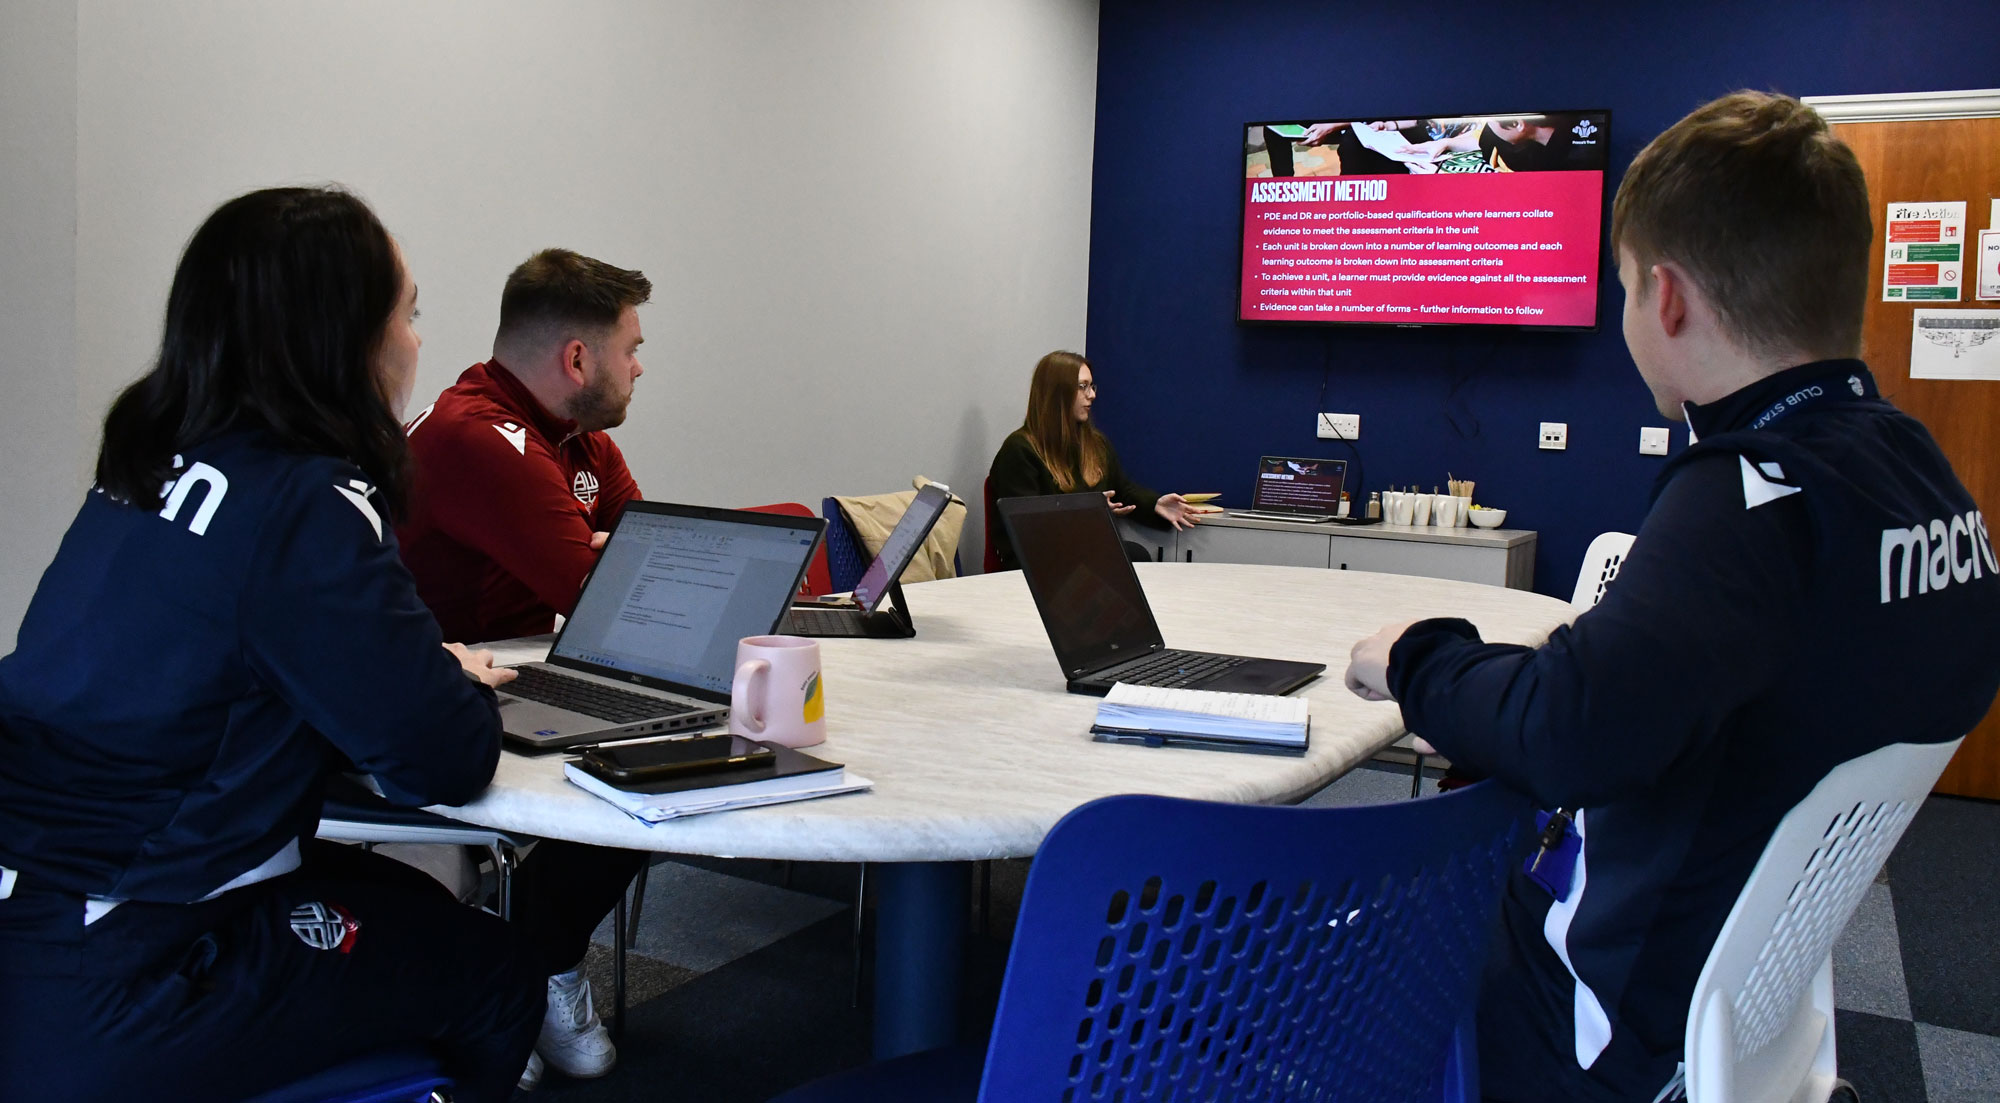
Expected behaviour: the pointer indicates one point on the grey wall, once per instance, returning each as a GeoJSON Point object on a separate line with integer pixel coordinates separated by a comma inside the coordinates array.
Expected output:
{"type": "Point", "coordinates": [864, 220]}
{"type": "Point", "coordinates": [46, 463]}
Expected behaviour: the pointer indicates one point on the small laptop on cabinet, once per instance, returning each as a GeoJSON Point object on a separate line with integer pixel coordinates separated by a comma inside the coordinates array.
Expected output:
{"type": "Point", "coordinates": [651, 647]}
{"type": "Point", "coordinates": [1291, 488]}
{"type": "Point", "coordinates": [1097, 616]}
{"type": "Point", "coordinates": [866, 616]}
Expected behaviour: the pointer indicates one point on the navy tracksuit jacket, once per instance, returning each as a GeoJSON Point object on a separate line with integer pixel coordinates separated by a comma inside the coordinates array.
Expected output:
{"type": "Point", "coordinates": [1812, 583]}
{"type": "Point", "coordinates": [186, 677]}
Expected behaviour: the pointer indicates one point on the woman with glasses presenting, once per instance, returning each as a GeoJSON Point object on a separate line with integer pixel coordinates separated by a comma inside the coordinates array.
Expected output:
{"type": "Point", "coordinates": [1059, 450]}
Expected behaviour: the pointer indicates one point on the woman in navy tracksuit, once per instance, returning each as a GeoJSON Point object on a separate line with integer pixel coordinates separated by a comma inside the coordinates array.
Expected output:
{"type": "Point", "coordinates": [225, 623]}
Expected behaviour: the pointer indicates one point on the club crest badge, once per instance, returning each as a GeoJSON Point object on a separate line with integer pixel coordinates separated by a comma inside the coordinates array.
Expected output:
{"type": "Point", "coordinates": [325, 926]}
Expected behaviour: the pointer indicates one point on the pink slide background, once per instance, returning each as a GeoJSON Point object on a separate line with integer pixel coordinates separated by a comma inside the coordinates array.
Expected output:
{"type": "Point", "coordinates": [1458, 260]}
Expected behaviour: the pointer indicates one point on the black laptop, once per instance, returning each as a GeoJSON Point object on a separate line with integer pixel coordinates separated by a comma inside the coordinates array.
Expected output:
{"type": "Point", "coordinates": [866, 615]}
{"type": "Point", "coordinates": [1097, 616]}
{"type": "Point", "coordinates": [651, 646]}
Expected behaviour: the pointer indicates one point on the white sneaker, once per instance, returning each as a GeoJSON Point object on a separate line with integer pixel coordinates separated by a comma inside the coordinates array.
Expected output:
{"type": "Point", "coordinates": [573, 1040]}
{"type": "Point", "coordinates": [531, 1077]}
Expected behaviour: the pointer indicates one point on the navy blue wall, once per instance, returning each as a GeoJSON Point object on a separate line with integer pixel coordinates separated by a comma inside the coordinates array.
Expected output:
{"type": "Point", "coordinates": [1191, 398]}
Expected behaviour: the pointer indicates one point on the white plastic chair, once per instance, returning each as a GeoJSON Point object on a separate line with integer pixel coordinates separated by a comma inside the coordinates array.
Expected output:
{"type": "Point", "coordinates": [1760, 1028]}
{"type": "Point", "coordinates": [1600, 565]}
{"type": "Point", "coordinates": [1601, 561]}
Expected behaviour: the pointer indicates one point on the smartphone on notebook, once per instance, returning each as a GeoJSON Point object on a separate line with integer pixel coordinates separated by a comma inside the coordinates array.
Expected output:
{"type": "Point", "coordinates": [665, 758]}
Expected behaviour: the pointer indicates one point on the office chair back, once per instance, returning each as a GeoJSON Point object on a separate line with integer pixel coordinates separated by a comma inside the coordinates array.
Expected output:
{"type": "Point", "coordinates": [409, 1074]}
{"type": "Point", "coordinates": [847, 557]}
{"type": "Point", "coordinates": [1760, 1026]}
{"type": "Point", "coordinates": [1601, 561]}
{"type": "Point", "coordinates": [1188, 950]}
{"type": "Point", "coordinates": [818, 578]}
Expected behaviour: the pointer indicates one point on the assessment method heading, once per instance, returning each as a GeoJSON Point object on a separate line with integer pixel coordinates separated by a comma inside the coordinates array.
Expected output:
{"type": "Point", "coordinates": [1319, 191]}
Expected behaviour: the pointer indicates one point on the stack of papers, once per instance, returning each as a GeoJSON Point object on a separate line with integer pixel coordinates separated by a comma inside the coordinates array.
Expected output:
{"type": "Point", "coordinates": [1202, 718]}
{"type": "Point", "coordinates": [793, 776]}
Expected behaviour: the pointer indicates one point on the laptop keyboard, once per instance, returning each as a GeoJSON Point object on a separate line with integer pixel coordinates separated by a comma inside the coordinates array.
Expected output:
{"type": "Point", "coordinates": [546, 687]}
{"type": "Point", "coordinates": [823, 622]}
{"type": "Point", "coordinates": [1174, 669]}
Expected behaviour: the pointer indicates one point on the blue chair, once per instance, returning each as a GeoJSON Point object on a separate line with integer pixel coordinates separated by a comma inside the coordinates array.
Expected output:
{"type": "Point", "coordinates": [406, 1075]}
{"type": "Point", "coordinates": [1174, 949]}
{"type": "Point", "coordinates": [846, 559]}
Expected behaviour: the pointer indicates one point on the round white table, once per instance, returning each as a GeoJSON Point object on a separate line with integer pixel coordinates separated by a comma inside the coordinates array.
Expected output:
{"type": "Point", "coordinates": [976, 750]}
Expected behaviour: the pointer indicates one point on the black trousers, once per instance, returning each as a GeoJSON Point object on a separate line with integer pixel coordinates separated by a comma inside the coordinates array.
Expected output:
{"type": "Point", "coordinates": [351, 953]}
{"type": "Point", "coordinates": [563, 890]}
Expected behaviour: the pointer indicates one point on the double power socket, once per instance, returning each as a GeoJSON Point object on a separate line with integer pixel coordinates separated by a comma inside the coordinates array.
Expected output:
{"type": "Point", "coordinates": [1338, 426]}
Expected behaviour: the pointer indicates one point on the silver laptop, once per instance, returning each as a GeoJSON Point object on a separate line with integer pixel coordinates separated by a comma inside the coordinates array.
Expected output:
{"type": "Point", "coordinates": [652, 645]}
{"type": "Point", "coordinates": [1290, 488]}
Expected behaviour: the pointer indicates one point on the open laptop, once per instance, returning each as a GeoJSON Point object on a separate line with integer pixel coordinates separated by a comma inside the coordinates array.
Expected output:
{"type": "Point", "coordinates": [1290, 488]}
{"type": "Point", "coordinates": [652, 644]}
{"type": "Point", "coordinates": [865, 615]}
{"type": "Point", "coordinates": [1097, 616]}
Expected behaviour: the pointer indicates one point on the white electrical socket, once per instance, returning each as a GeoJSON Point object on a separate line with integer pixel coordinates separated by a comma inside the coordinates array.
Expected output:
{"type": "Point", "coordinates": [1652, 441]}
{"type": "Point", "coordinates": [1339, 426]}
{"type": "Point", "coordinates": [1555, 435]}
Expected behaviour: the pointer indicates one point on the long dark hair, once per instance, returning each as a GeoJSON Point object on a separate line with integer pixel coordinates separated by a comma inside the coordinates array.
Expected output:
{"type": "Point", "coordinates": [1074, 451]}
{"type": "Point", "coordinates": [276, 312]}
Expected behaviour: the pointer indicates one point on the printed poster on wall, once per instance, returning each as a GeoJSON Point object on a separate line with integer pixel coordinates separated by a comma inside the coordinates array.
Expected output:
{"type": "Point", "coordinates": [1926, 252]}
{"type": "Point", "coordinates": [1989, 264]}
{"type": "Point", "coordinates": [1955, 344]}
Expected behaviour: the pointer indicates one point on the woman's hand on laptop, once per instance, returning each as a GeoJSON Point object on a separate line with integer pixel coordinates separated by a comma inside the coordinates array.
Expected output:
{"type": "Point", "coordinates": [479, 664]}
{"type": "Point", "coordinates": [1118, 508]}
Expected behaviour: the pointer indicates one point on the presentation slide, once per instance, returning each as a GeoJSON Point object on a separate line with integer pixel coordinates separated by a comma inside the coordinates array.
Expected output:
{"type": "Point", "coordinates": [1481, 221]}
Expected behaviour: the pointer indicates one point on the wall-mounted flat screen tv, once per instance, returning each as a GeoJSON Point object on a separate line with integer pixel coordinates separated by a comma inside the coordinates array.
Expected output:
{"type": "Point", "coordinates": [1492, 220]}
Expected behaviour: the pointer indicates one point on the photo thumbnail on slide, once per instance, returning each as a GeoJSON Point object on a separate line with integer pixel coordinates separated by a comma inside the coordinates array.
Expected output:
{"type": "Point", "coordinates": [1473, 219]}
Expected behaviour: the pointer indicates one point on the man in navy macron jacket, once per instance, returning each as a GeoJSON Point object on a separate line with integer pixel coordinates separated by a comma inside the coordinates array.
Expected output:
{"type": "Point", "coordinates": [1812, 583]}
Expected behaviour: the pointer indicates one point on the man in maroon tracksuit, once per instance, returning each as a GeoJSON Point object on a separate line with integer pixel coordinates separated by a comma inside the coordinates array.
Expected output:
{"type": "Point", "coordinates": [515, 484]}
{"type": "Point", "coordinates": [514, 473]}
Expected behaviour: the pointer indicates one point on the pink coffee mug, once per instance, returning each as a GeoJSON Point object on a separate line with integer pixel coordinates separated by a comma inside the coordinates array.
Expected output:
{"type": "Point", "coordinates": [777, 695]}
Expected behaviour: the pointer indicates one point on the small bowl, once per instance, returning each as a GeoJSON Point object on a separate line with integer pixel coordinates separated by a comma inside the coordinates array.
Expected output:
{"type": "Point", "coordinates": [1486, 518]}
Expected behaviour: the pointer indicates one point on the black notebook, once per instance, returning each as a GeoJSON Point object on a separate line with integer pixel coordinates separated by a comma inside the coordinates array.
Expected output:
{"type": "Point", "coordinates": [790, 775]}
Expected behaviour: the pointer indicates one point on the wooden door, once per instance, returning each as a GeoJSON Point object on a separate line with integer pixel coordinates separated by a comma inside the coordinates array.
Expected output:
{"type": "Point", "coordinates": [1929, 161]}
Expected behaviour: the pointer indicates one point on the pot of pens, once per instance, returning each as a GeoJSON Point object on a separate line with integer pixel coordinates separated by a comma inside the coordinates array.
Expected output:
{"type": "Point", "coordinates": [1460, 493]}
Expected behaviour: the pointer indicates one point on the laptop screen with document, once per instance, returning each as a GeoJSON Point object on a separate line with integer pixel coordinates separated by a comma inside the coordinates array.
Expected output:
{"type": "Point", "coordinates": [678, 586]}
{"type": "Point", "coordinates": [1289, 484]}
{"type": "Point", "coordinates": [1083, 582]}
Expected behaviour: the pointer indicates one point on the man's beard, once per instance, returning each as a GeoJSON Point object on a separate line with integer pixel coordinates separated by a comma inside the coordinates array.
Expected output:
{"type": "Point", "coordinates": [598, 406]}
